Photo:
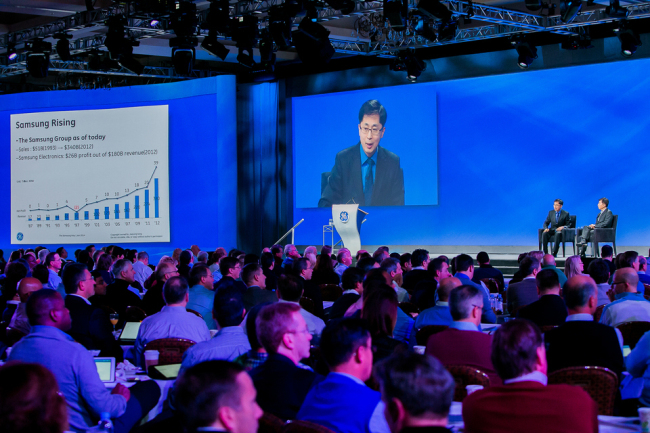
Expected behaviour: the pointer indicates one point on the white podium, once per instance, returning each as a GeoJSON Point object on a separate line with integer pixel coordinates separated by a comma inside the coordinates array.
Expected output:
{"type": "Point", "coordinates": [347, 221]}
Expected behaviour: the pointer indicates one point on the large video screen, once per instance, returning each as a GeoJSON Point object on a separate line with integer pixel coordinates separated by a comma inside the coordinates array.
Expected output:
{"type": "Point", "coordinates": [372, 147]}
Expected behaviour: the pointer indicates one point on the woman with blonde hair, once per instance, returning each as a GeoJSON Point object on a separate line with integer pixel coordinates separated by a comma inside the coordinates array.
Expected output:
{"type": "Point", "coordinates": [573, 266]}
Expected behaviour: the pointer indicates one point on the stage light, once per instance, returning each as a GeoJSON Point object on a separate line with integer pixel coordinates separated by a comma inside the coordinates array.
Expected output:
{"type": "Point", "coordinates": [629, 41]}
{"type": "Point", "coordinates": [246, 34]}
{"type": "Point", "coordinates": [183, 60]}
{"type": "Point", "coordinates": [434, 10]}
{"type": "Point", "coordinates": [12, 54]}
{"type": "Point", "coordinates": [414, 66]}
{"type": "Point", "coordinates": [214, 47]}
{"type": "Point", "coordinates": [394, 13]}
{"type": "Point", "coordinates": [119, 47]}
{"type": "Point", "coordinates": [38, 57]}
{"type": "Point", "coordinates": [533, 5]}
{"type": "Point", "coordinates": [154, 23]}
{"type": "Point", "coordinates": [614, 10]}
{"type": "Point", "coordinates": [424, 29]}
{"type": "Point", "coordinates": [63, 46]}
{"type": "Point", "coordinates": [527, 53]}
{"type": "Point", "coordinates": [267, 56]}
{"type": "Point", "coordinates": [312, 42]}
{"type": "Point", "coordinates": [280, 26]}
{"type": "Point", "coordinates": [183, 20]}
{"type": "Point", "coordinates": [569, 9]}
{"type": "Point", "coordinates": [447, 30]}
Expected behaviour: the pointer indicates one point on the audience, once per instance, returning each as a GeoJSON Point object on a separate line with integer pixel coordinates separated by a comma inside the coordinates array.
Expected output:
{"type": "Point", "coordinates": [173, 321]}
{"type": "Point", "coordinates": [548, 262]}
{"type": "Point", "coordinates": [230, 270]}
{"type": "Point", "coordinates": [280, 383]}
{"type": "Point", "coordinates": [75, 371]}
{"type": "Point", "coordinates": [394, 270]}
{"type": "Point", "coordinates": [599, 272]}
{"type": "Point", "coordinates": [231, 341]}
{"type": "Point", "coordinates": [419, 262]}
{"type": "Point", "coordinates": [573, 266]}
{"type": "Point", "coordinates": [324, 271]}
{"type": "Point", "coordinates": [465, 273]}
{"type": "Point", "coordinates": [290, 290]}
{"type": "Point", "coordinates": [638, 365]}
{"type": "Point", "coordinates": [120, 294]}
{"type": "Point", "coordinates": [257, 355]}
{"type": "Point", "coordinates": [342, 402]}
{"type": "Point", "coordinates": [352, 284]}
{"type": "Point", "coordinates": [141, 268]}
{"type": "Point", "coordinates": [303, 269]}
{"type": "Point", "coordinates": [550, 309]}
{"type": "Point", "coordinates": [643, 267]}
{"type": "Point", "coordinates": [417, 392]}
{"type": "Point", "coordinates": [291, 253]}
{"type": "Point", "coordinates": [607, 253]}
{"type": "Point", "coordinates": [627, 305]}
{"type": "Point", "coordinates": [486, 270]}
{"type": "Point", "coordinates": [524, 292]}
{"type": "Point", "coordinates": [153, 301]}
{"type": "Point", "coordinates": [344, 259]}
{"type": "Point", "coordinates": [380, 311]}
{"type": "Point", "coordinates": [53, 263]}
{"type": "Point", "coordinates": [440, 313]}
{"type": "Point", "coordinates": [256, 292]}
{"type": "Point", "coordinates": [201, 294]}
{"type": "Point", "coordinates": [463, 343]}
{"type": "Point", "coordinates": [19, 320]}
{"type": "Point", "coordinates": [524, 403]}
{"type": "Point", "coordinates": [268, 269]}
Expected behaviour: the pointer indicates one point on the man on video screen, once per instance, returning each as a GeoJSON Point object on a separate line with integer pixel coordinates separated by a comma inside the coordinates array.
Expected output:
{"type": "Point", "coordinates": [366, 173]}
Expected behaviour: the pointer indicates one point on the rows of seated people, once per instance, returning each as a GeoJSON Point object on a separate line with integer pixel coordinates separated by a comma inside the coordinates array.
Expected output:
{"type": "Point", "coordinates": [313, 338]}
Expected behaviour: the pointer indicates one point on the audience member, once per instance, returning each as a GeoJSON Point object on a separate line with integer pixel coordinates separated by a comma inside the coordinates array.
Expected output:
{"type": "Point", "coordinates": [215, 260]}
{"type": "Point", "coordinates": [366, 264]}
{"type": "Point", "coordinates": [417, 392]}
{"type": "Point", "coordinates": [19, 320]}
{"type": "Point", "coordinates": [290, 290]}
{"type": "Point", "coordinates": [638, 365]}
{"type": "Point", "coordinates": [465, 273]}
{"type": "Point", "coordinates": [257, 355]}
{"type": "Point", "coordinates": [418, 272]}
{"type": "Point", "coordinates": [643, 267]}
{"type": "Point", "coordinates": [380, 310]}
{"type": "Point", "coordinates": [75, 371]}
{"type": "Point", "coordinates": [627, 305]}
{"type": "Point", "coordinates": [202, 293]}
{"type": "Point", "coordinates": [217, 396]}
{"type": "Point", "coordinates": [525, 402]}
{"type": "Point", "coordinates": [463, 343]}
{"type": "Point", "coordinates": [394, 269]}
{"type": "Point", "coordinates": [41, 273]}
{"type": "Point", "coordinates": [548, 262]}
{"type": "Point", "coordinates": [173, 321]}
{"type": "Point", "coordinates": [573, 266]}
{"type": "Point", "coordinates": [342, 402]}
{"type": "Point", "coordinates": [581, 341]}
{"type": "Point", "coordinates": [153, 301]}
{"type": "Point", "coordinates": [549, 309]}
{"type": "Point", "coordinates": [440, 314]}
{"type": "Point", "coordinates": [120, 294]}
{"type": "Point", "coordinates": [352, 284]}
{"type": "Point", "coordinates": [607, 253]}
{"type": "Point", "coordinates": [324, 271]}
{"type": "Point", "coordinates": [405, 261]}
{"type": "Point", "coordinates": [302, 268]}
{"type": "Point", "coordinates": [185, 261]}
{"type": "Point", "coordinates": [277, 252]}
{"type": "Point", "coordinates": [425, 290]}
{"type": "Point", "coordinates": [281, 385]}
{"type": "Point", "coordinates": [524, 292]}
{"type": "Point", "coordinates": [519, 275]}
{"type": "Point", "coordinates": [53, 263]}
{"type": "Point", "coordinates": [91, 325]}
{"type": "Point", "coordinates": [230, 271]}
{"type": "Point", "coordinates": [291, 253]}
{"type": "Point", "coordinates": [599, 272]}
{"type": "Point", "coordinates": [231, 341]}
{"type": "Point", "coordinates": [486, 270]}
{"type": "Point", "coordinates": [256, 293]}
{"type": "Point", "coordinates": [344, 259]}
{"type": "Point", "coordinates": [268, 266]}
{"type": "Point", "coordinates": [141, 268]}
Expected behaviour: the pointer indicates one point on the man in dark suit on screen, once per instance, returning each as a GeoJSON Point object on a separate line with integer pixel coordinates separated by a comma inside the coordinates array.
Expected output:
{"type": "Point", "coordinates": [605, 220]}
{"type": "Point", "coordinates": [555, 222]}
{"type": "Point", "coordinates": [366, 173]}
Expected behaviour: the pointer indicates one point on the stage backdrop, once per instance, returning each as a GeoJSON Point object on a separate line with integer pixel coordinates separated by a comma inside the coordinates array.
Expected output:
{"type": "Point", "coordinates": [508, 146]}
{"type": "Point", "coordinates": [202, 144]}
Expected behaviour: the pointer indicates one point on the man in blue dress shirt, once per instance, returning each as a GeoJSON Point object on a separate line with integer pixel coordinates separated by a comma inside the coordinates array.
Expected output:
{"type": "Point", "coordinates": [440, 313]}
{"type": "Point", "coordinates": [53, 263]}
{"type": "Point", "coordinates": [75, 371]}
{"type": "Point", "coordinates": [465, 273]}
{"type": "Point", "coordinates": [202, 293]}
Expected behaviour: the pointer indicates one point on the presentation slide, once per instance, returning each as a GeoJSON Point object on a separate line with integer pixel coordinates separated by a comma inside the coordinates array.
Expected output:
{"type": "Point", "coordinates": [338, 136]}
{"type": "Point", "coordinates": [90, 176]}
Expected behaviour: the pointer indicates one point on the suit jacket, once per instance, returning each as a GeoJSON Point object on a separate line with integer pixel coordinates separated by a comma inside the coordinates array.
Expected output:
{"type": "Point", "coordinates": [118, 297]}
{"type": "Point", "coordinates": [604, 220]}
{"type": "Point", "coordinates": [342, 304]}
{"type": "Point", "coordinates": [345, 183]}
{"type": "Point", "coordinates": [578, 343]}
{"type": "Point", "coordinates": [92, 328]}
{"type": "Point", "coordinates": [522, 293]}
{"type": "Point", "coordinates": [312, 291]}
{"type": "Point", "coordinates": [282, 386]}
{"type": "Point", "coordinates": [456, 347]}
{"type": "Point", "coordinates": [530, 407]}
{"type": "Point", "coordinates": [549, 310]}
{"type": "Point", "coordinates": [550, 223]}
{"type": "Point", "coordinates": [255, 295]}
{"type": "Point", "coordinates": [411, 278]}
{"type": "Point", "coordinates": [488, 271]}
{"type": "Point", "coordinates": [271, 279]}
{"type": "Point", "coordinates": [239, 284]}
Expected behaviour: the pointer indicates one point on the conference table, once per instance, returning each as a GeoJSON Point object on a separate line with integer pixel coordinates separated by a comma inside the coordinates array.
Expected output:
{"type": "Point", "coordinates": [131, 378]}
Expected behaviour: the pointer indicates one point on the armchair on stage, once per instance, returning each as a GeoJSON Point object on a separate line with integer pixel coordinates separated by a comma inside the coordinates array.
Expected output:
{"type": "Point", "coordinates": [347, 221]}
{"type": "Point", "coordinates": [602, 235]}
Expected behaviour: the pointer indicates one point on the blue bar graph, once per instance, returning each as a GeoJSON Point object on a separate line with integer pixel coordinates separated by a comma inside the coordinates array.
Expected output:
{"type": "Point", "coordinates": [47, 217]}
{"type": "Point", "coordinates": [76, 216]}
{"type": "Point", "coordinates": [117, 211]}
{"type": "Point", "coordinates": [155, 197]}
{"type": "Point", "coordinates": [38, 218]}
{"type": "Point", "coordinates": [56, 217]}
{"type": "Point", "coordinates": [29, 218]}
{"type": "Point", "coordinates": [146, 203]}
{"type": "Point", "coordinates": [106, 213]}
{"type": "Point", "coordinates": [96, 214]}
{"type": "Point", "coordinates": [67, 216]}
{"type": "Point", "coordinates": [126, 210]}
{"type": "Point", "coordinates": [85, 214]}
{"type": "Point", "coordinates": [137, 206]}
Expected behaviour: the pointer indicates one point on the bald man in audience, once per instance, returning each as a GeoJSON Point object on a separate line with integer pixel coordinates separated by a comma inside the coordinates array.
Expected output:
{"type": "Point", "coordinates": [627, 305]}
{"type": "Point", "coordinates": [26, 287]}
{"type": "Point", "coordinates": [548, 262]}
{"type": "Point", "coordinates": [440, 313]}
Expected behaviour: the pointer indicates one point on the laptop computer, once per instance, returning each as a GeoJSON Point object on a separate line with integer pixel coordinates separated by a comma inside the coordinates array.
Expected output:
{"type": "Point", "coordinates": [129, 333]}
{"type": "Point", "coordinates": [105, 368]}
{"type": "Point", "coordinates": [164, 372]}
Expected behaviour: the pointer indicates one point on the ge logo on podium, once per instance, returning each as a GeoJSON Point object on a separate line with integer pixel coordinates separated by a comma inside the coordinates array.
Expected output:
{"type": "Point", "coordinates": [19, 236]}
{"type": "Point", "coordinates": [344, 217]}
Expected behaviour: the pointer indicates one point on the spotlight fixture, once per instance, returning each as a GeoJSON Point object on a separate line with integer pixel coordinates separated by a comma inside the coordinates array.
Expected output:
{"type": "Point", "coordinates": [394, 13]}
{"type": "Point", "coordinates": [183, 60]}
{"type": "Point", "coordinates": [246, 35]}
{"type": "Point", "coordinates": [12, 54]}
{"type": "Point", "coordinates": [63, 46]}
{"type": "Point", "coordinates": [569, 9]}
{"type": "Point", "coordinates": [280, 26]}
{"type": "Point", "coordinates": [183, 19]}
{"type": "Point", "coordinates": [154, 23]}
{"type": "Point", "coordinates": [217, 21]}
{"type": "Point", "coordinates": [119, 47]}
{"type": "Point", "coordinates": [414, 66]}
{"type": "Point", "coordinates": [630, 41]}
{"type": "Point", "coordinates": [615, 10]}
{"type": "Point", "coordinates": [434, 10]}
{"type": "Point", "coordinates": [581, 42]}
{"type": "Point", "coordinates": [267, 56]}
{"type": "Point", "coordinates": [423, 29]}
{"type": "Point", "coordinates": [447, 30]}
{"type": "Point", "coordinates": [214, 47]}
{"type": "Point", "coordinates": [527, 53]}
{"type": "Point", "coordinates": [312, 42]}
{"type": "Point", "coordinates": [38, 57]}
{"type": "Point", "coordinates": [533, 5]}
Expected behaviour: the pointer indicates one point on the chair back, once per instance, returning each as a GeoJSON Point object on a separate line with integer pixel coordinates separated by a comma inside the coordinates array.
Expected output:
{"type": "Point", "coordinates": [171, 349]}
{"type": "Point", "coordinates": [491, 284]}
{"type": "Point", "coordinates": [307, 304]}
{"type": "Point", "coordinates": [606, 234]}
{"type": "Point", "coordinates": [270, 423]}
{"type": "Point", "coordinates": [423, 334]}
{"type": "Point", "coordinates": [134, 314]}
{"type": "Point", "coordinates": [599, 382]}
{"type": "Point", "coordinates": [330, 292]}
{"type": "Point", "coordinates": [598, 313]}
{"type": "Point", "coordinates": [409, 308]}
{"type": "Point", "coordinates": [632, 332]}
{"type": "Point", "coordinates": [465, 375]}
{"type": "Point", "coordinates": [304, 427]}
{"type": "Point", "coordinates": [572, 221]}
{"type": "Point", "coordinates": [196, 313]}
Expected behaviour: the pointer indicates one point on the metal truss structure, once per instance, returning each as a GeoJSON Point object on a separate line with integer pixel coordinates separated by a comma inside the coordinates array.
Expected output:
{"type": "Point", "coordinates": [500, 23]}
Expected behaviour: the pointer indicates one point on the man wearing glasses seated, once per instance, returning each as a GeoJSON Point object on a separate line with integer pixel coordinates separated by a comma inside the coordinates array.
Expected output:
{"type": "Point", "coordinates": [366, 173]}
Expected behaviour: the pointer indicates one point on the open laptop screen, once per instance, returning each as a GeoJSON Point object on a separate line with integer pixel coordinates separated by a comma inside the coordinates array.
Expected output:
{"type": "Point", "coordinates": [106, 369]}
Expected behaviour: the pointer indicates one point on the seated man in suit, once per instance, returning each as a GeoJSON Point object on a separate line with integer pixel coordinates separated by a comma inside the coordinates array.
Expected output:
{"type": "Point", "coordinates": [352, 284]}
{"type": "Point", "coordinates": [581, 341]}
{"type": "Point", "coordinates": [202, 293]}
{"type": "Point", "coordinates": [524, 402]}
{"type": "Point", "coordinates": [462, 343]}
{"type": "Point", "coordinates": [524, 292]}
{"type": "Point", "coordinates": [230, 269]}
{"type": "Point", "coordinates": [303, 269]}
{"type": "Point", "coordinates": [628, 305]}
{"type": "Point", "coordinates": [420, 262]}
{"type": "Point", "coordinates": [366, 172]}
{"type": "Point", "coordinates": [394, 270]}
{"type": "Point", "coordinates": [255, 280]}
{"type": "Point", "coordinates": [599, 272]}
{"type": "Point", "coordinates": [120, 294]}
{"type": "Point", "coordinates": [26, 287]}
{"type": "Point", "coordinates": [486, 270]}
{"type": "Point", "coordinates": [342, 402]}
{"type": "Point", "coordinates": [549, 310]}
{"type": "Point", "coordinates": [440, 314]}
{"type": "Point", "coordinates": [465, 273]}
{"type": "Point", "coordinates": [290, 290]}
{"type": "Point", "coordinates": [173, 321]}
{"type": "Point", "coordinates": [91, 325]}
{"type": "Point", "coordinates": [417, 392]}
{"type": "Point", "coordinates": [605, 219]}
{"type": "Point", "coordinates": [281, 385]}
{"type": "Point", "coordinates": [556, 220]}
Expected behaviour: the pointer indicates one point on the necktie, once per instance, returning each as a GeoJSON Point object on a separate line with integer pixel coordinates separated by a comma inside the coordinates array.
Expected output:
{"type": "Point", "coordinates": [367, 191]}
{"type": "Point", "coordinates": [557, 217]}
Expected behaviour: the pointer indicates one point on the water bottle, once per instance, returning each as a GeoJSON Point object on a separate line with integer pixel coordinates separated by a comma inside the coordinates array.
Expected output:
{"type": "Point", "coordinates": [105, 425]}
